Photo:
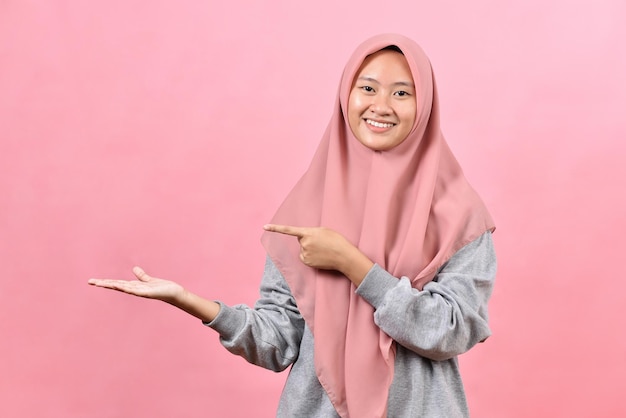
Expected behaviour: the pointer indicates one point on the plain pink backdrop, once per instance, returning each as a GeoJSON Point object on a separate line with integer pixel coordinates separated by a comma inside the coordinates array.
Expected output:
{"type": "Point", "coordinates": [164, 134]}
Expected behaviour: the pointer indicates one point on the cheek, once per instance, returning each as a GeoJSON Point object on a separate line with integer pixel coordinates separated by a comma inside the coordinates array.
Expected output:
{"type": "Point", "coordinates": [354, 114]}
{"type": "Point", "coordinates": [409, 114]}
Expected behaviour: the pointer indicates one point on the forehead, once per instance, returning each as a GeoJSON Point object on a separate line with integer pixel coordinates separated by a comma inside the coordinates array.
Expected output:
{"type": "Point", "coordinates": [385, 63]}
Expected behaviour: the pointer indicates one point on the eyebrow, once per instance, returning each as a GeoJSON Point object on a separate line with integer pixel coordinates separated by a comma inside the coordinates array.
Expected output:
{"type": "Point", "coordinates": [398, 83]}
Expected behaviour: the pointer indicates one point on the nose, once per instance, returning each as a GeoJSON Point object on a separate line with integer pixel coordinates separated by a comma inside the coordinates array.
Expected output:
{"type": "Point", "coordinates": [380, 104]}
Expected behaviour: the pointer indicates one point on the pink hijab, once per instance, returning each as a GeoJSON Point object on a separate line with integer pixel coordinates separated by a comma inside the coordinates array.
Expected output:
{"type": "Point", "coordinates": [409, 209]}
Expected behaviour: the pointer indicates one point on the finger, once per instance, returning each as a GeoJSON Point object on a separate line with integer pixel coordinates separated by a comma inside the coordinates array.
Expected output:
{"type": "Point", "coordinates": [110, 284]}
{"type": "Point", "coordinates": [140, 274]}
{"type": "Point", "coordinates": [295, 231]}
{"type": "Point", "coordinates": [102, 282]}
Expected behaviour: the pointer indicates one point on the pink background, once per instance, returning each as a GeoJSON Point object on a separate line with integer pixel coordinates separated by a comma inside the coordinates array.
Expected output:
{"type": "Point", "coordinates": [165, 134]}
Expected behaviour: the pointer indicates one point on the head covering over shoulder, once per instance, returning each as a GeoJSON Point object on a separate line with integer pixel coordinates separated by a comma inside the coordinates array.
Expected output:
{"type": "Point", "coordinates": [408, 209]}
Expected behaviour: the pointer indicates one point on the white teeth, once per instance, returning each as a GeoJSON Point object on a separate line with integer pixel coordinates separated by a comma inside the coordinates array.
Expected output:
{"type": "Point", "coordinates": [378, 124]}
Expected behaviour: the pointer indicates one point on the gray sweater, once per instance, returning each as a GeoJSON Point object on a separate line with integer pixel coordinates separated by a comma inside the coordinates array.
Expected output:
{"type": "Point", "coordinates": [431, 328]}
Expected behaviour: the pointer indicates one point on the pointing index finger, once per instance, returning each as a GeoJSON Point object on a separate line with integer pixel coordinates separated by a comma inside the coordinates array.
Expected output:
{"type": "Point", "coordinates": [295, 231]}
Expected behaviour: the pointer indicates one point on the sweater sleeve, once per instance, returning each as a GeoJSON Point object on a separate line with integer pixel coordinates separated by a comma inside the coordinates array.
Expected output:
{"type": "Point", "coordinates": [269, 334]}
{"type": "Point", "coordinates": [449, 316]}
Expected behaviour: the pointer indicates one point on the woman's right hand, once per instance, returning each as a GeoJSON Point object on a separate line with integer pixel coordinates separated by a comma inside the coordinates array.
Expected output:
{"type": "Point", "coordinates": [167, 291]}
{"type": "Point", "coordinates": [145, 286]}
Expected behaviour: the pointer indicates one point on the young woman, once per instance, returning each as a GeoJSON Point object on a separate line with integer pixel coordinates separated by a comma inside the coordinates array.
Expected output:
{"type": "Point", "coordinates": [380, 260]}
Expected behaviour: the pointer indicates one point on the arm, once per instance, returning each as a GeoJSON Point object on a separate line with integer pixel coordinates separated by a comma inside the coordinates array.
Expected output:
{"type": "Point", "coordinates": [268, 335]}
{"type": "Point", "coordinates": [446, 318]}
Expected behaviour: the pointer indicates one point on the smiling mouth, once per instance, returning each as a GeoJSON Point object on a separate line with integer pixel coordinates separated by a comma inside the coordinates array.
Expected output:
{"type": "Point", "coordinates": [379, 124]}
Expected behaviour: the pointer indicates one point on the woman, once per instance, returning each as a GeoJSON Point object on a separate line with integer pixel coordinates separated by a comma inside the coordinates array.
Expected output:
{"type": "Point", "coordinates": [380, 260]}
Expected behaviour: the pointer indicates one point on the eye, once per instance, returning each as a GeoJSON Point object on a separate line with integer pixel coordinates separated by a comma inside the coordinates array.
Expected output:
{"type": "Point", "coordinates": [368, 89]}
{"type": "Point", "coordinates": [402, 93]}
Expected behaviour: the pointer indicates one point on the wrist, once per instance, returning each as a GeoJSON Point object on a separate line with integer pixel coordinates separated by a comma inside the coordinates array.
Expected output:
{"type": "Point", "coordinates": [179, 298]}
{"type": "Point", "coordinates": [356, 266]}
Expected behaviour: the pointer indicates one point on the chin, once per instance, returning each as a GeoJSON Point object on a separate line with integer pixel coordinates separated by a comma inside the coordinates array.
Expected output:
{"type": "Point", "coordinates": [376, 147]}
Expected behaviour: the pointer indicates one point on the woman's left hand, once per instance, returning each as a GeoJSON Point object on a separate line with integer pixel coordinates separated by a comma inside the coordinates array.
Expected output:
{"type": "Point", "coordinates": [326, 249]}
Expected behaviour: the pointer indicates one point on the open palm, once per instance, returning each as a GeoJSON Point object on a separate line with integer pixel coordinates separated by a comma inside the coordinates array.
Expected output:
{"type": "Point", "coordinates": [145, 286]}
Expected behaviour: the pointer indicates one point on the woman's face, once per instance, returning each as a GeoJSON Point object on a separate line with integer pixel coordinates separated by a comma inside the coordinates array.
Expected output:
{"type": "Point", "coordinates": [382, 106]}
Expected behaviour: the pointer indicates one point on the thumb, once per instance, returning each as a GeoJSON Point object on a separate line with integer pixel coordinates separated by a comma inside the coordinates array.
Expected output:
{"type": "Point", "coordinates": [141, 275]}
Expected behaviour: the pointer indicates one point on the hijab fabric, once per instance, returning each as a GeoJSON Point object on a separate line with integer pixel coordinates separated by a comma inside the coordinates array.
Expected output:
{"type": "Point", "coordinates": [408, 209]}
